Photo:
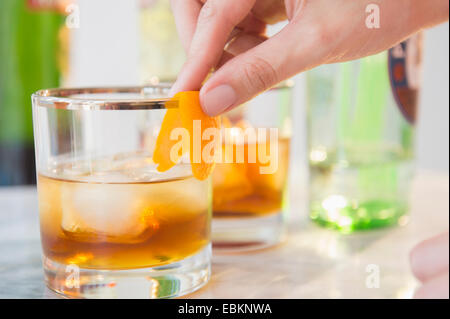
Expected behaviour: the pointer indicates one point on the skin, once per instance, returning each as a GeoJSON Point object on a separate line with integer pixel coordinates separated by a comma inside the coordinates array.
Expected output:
{"type": "Point", "coordinates": [228, 36]}
{"type": "Point", "coordinates": [430, 264]}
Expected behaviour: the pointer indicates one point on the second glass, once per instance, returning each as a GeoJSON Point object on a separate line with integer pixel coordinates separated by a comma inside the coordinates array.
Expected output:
{"type": "Point", "coordinates": [250, 194]}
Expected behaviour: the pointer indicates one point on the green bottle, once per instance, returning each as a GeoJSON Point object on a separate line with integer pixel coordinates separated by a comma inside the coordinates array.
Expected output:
{"type": "Point", "coordinates": [29, 48]}
{"type": "Point", "coordinates": [361, 117]}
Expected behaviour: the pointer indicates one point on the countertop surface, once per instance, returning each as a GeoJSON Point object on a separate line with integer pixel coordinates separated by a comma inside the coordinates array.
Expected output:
{"type": "Point", "coordinates": [312, 262]}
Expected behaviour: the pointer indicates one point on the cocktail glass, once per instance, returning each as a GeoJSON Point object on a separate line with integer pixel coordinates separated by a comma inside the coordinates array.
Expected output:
{"type": "Point", "coordinates": [250, 182]}
{"type": "Point", "coordinates": [111, 224]}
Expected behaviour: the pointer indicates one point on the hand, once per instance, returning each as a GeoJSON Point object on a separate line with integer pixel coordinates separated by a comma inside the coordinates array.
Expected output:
{"type": "Point", "coordinates": [229, 35]}
{"type": "Point", "coordinates": [430, 264]}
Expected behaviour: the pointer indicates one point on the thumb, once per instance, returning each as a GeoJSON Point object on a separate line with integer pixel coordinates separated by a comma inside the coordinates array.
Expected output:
{"type": "Point", "coordinates": [258, 69]}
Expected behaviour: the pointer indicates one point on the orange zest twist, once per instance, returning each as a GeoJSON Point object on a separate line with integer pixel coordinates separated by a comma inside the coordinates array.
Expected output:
{"type": "Point", "coordinates": [189, 110]}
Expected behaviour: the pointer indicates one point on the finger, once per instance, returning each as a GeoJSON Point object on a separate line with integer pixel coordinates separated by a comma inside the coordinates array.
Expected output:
{"type": "Point", "coordinates": [436, 288]}
{"type": "Point", "coordinates": [431, 257]}
{"type": "Point", "coordinates": [271, 11]}
{"type": "Point", "coordinates": [226, 56]}
{"type": "Point", "coordinates": [216, 20]}
{"type": "Point", "coordinates": [259, 68]}
{"type": "Point", "coordinates": [186, 13]}
{"type": "Point", "coordinates": [243, 42]}
{"type": "Point", "coordinates": [251, 24]}
{"type": "Point", "coordinates": [239, 43]}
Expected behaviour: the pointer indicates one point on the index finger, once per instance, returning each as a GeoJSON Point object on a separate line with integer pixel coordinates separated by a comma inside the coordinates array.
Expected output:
{"type": "Point", "coordinates": [186, 14]}
{"type": "Point", "coordinates": [216, 20]}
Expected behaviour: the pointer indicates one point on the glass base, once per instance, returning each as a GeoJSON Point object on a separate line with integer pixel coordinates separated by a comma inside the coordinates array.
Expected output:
{"type": "Point", "coordinates": [247, 233]}
{"type": "Point", "coordinates": [166, 281]}
{"type": "Point", "coordinates": [367, 215]}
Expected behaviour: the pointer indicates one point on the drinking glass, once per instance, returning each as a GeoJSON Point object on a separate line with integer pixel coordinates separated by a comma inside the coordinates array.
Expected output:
{"type": "Point", "coordinates": [361, 127]}
{"type": "Point", "coordinates": [250, 183]}
{"type": "Point", "coordinates": [111, 224]}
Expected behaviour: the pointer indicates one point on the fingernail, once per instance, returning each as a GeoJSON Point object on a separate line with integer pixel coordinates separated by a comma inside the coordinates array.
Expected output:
{"type": "Point", "coordinates": [217, 100]}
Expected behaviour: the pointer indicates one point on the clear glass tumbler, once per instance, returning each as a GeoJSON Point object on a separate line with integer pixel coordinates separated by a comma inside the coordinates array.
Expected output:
{"type": "Point", "coordinates": [111, 224]}
{"type": "Point", "coordinates": [250, 183]}
{"type": "Point", "coordinates": [361, 138]}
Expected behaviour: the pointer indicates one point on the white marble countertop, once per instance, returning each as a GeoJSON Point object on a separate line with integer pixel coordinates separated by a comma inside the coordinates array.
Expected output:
{"type": "Point", "coordinates": [312, 263]}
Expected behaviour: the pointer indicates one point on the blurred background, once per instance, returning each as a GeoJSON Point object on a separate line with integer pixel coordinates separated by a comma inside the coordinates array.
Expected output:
{"type": "Point", "coordinates": [111, 43]}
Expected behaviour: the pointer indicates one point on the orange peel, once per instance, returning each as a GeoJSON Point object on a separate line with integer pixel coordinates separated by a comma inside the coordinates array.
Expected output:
{"type": "Point", "coordinates": [188, 115]}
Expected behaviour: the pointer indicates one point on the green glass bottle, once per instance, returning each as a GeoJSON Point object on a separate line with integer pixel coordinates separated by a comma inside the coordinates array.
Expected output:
{"type": "Point", "coordinates": [361, 117]}
{"type": "Point", "coordinates": [29, 49]}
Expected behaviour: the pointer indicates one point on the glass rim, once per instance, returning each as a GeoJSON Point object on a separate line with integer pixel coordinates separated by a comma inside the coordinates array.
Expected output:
{"type": "Point", "coordinates": [63, 98]}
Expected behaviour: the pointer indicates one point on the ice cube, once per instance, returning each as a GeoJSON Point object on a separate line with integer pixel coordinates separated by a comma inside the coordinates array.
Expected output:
{"type": "Point", "coordinates": [124, 199]}
{"type": "Point", "coordinates": [230, 182]}
{"type": "Point", "coordinates": [275, 180]}
{"type": "Point", "coordinates": [112, 212]}
{"type": "Point", "coordinates": [178, 201]}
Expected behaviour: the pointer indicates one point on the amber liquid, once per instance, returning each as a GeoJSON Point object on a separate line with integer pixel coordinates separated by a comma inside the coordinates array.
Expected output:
{"type": "Point", "coordinates": [241, 190]}
{"type": "Point", "coordinates": [122, 225]}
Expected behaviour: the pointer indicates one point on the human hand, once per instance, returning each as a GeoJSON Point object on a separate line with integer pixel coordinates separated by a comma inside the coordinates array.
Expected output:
{"type": "Point", "coordinates": [430, 264]}
{"type": "Point", "coordinates": [229, 35]}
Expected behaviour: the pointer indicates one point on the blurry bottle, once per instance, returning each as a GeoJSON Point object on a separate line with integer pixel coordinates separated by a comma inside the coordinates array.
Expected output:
{"type": "Point", "coordinates": [161, 52]}
{"type": "Point", "coordinates": [31, 58]}
{"type": "Point", "coordinates": [361, 117]}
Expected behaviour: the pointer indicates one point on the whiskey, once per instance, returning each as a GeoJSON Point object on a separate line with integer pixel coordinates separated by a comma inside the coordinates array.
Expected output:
{"type": "Point", "coordinates": [113, 220]}
{"type": "Point", "coordinates": [242, 190]}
